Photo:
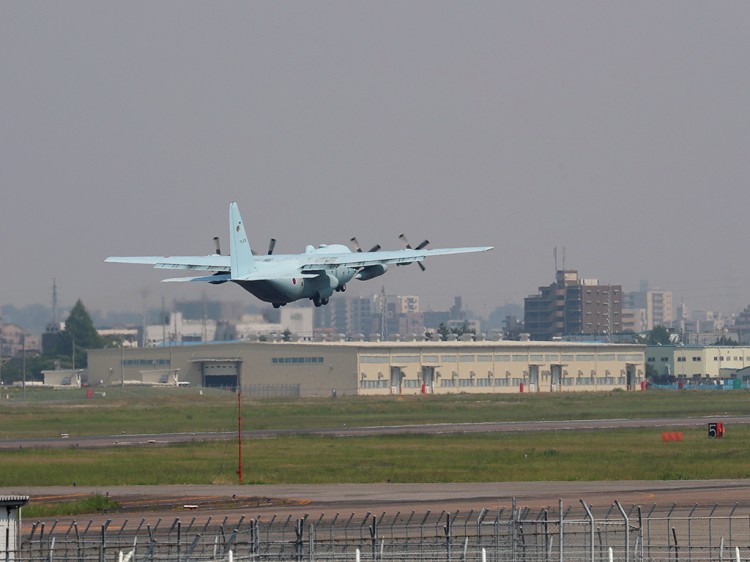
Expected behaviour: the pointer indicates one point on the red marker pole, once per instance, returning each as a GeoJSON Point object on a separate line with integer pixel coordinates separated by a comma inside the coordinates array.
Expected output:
{"type": "Point", "coordinates": [239, 431]}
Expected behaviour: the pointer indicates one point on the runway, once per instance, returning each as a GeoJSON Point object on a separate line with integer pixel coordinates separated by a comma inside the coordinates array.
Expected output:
{"type": "Point", "coordinates": [98, 441]}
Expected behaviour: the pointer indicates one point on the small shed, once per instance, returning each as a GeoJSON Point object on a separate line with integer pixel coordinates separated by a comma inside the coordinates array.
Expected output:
{"type": "Point", "coordinates": [10, 524]}
{"type": "Point", "coordinates": [65, 378]}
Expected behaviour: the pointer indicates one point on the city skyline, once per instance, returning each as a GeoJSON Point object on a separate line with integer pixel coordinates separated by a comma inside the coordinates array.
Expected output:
{"type": "Point", "coordinates": [616, 131]}
{"type": "Point", "coordinates": [242, 305]}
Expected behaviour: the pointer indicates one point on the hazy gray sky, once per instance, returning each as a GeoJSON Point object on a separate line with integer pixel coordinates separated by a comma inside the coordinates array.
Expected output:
{"type": "Point", "coordinates": [620, 130]}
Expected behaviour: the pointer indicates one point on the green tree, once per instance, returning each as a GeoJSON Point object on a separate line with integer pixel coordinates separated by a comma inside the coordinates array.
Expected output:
{"type": "Point", "coordinates": [81, 335]}
{"type": "Point", "coordinates": [443, 331]}
{"type": "Point", "coordinates": [726, 341]}
{"type": "Point", "coordinates": [659, 336]}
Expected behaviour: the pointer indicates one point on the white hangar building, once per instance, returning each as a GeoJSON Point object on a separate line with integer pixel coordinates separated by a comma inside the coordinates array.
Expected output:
{"type": "Point", "coordinates": [377, 368]}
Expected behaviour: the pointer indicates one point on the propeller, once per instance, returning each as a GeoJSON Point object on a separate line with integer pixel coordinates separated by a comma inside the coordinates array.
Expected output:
{"type": "Point", "coordinates": [422, 244]}
{"type": "Point", "coordinates": [216, 245]}
{"type": "Point", "coordinates": [358, 248]}
{"type": "Point", "coordinates": [271, 246]}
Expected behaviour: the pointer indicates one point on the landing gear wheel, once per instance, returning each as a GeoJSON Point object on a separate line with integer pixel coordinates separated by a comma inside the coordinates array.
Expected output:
{"type": "Point", "coordinates": [324, 300]}
{"type": "Point", "coordinates": [316, 300]}
{"type": "Point", "coordinates": [276, 304]}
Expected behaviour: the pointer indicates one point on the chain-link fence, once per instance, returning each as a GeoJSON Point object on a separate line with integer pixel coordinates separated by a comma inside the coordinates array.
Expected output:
{"type": "Point", "coordinates": [513, 534]}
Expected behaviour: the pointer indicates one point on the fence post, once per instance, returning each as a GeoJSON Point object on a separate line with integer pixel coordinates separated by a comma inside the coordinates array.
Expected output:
{"type": "Point", "coordinates": [710, 527]}
{"type": "Point", "coordinates": [560, 527]}
{"type": "Point", "coordinates": [447, 530]}
{"type": "Point", "coordinates": [627, 531]}
{"type": "Point", "coordinates": [513, 524]}
{"type": "Point", "coordinates": [591, 520]}
{"type": "Point", "coordinates": [103, 548]}
{"type": "Point", "coordinates": [299, 531]}
{"type": "Point", "coordinates": [191, 548]}
{"type": "Point", "coordinates": [690, 531]}
{"type": "Point", "coordinates": [374, 537]}
{"type": "Point", "coordinates": [312, 542]}
{"type": "Point", "coordinates": [731, 516]}
{"type": "Point", "coordinates": [480, 520]}
{"type": "Point", "coordinates": [640, 531]}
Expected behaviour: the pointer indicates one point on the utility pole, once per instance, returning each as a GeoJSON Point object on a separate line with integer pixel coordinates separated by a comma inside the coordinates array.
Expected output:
{"type": "Point", "coordinates": [383, 332]}
{"type": "Point", "coordinates": [239, 431]}
{"type": "Point", "coordinates": [23, 363]}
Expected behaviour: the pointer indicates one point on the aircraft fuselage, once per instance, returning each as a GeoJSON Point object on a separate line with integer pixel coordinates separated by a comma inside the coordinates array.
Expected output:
{"type": "Point", "coordinates": [283, 291]}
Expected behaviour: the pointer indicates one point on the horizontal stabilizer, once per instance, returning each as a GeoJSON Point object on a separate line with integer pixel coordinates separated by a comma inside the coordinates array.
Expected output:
{"type": "Point", "coordinates": [212, 262]}
{"type": "Point", "coordinates": [205, 279]}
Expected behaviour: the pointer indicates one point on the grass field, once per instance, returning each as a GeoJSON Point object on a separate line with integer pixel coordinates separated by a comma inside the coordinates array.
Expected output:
{"type": "Point", "coordinates": [622, 454]}
{"type": "Point", "coordinates": [550, 455]}
{"type": "Point", "coordinates": [48, 413]}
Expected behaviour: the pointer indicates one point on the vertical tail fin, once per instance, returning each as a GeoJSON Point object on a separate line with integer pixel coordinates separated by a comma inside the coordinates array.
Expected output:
{"type": "Point", "coordinates": [240, 254]}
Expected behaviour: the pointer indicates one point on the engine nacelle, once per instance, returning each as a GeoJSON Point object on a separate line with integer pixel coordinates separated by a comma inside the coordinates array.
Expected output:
{"type": "Point", "coordinates": [330, 282]}
{"type": "Point", "coordinates": [371, 271]}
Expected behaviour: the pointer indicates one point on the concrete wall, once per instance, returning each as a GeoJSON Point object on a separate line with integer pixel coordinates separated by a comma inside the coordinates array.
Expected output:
{"type": "Point", "coordinates": [374, 368]}
{"type": "Point", "coordinates": [684, 361]}
{"type": "Point", "coordinates": [498, 367]}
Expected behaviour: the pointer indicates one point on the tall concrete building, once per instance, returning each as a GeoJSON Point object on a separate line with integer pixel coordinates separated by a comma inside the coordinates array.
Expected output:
{"type": "Point", "coordinates": [656, 303]}
{"type": "Point", "coordinates": [573, 306]}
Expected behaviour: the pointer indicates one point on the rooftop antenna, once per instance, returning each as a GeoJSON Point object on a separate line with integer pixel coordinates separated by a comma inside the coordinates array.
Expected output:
{"type": "Point", "coordinates": [54, 303]}
{"type": "Point", "coordinates": [164, 321]}
{"type": "Point", "coordinates": [554, 253]}
{"type": "Point", "coordinates": [382, 313]}
{"type": "Point", "coordinates": [144, 295]}
{"type": "Point", "coordinates": [563, 257]}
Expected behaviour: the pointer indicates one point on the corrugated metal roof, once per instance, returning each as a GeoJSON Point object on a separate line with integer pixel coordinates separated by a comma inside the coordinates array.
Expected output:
{"type": "Point", "coordinates": [13, 501]}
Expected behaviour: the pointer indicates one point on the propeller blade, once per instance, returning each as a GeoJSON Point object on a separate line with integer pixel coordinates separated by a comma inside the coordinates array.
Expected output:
{"type": "Point", "coordinates": [408, 247]}
{"type": "Point", "coordinates": [358, 248]}
{"type": "Point", "coordinates": [216, 245]}
{"type": "Point", "coordinates": [271, 246]}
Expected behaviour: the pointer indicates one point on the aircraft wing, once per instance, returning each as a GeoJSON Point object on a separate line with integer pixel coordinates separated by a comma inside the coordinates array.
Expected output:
{"type": "Point", "coordinates": [310, 265]}
{"type": "Point", "coordinates": [214, 262]}
{"type": "Point", "coordinates": [399, 257]}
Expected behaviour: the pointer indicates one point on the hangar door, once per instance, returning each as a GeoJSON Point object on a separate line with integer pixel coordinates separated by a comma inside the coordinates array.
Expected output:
{"type": "Point", "coordinates": [220, 373]}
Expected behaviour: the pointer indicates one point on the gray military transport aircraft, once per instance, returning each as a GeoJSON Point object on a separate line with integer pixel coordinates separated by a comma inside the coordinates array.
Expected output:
{"type": "Point", "coordinates": [280, 279]}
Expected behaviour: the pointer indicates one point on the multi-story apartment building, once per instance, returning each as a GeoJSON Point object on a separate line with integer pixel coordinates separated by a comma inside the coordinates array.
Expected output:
{"type": "Point", "coordinates": [573, 306]}
{"type": "Point", "coordinates": [656, 303]}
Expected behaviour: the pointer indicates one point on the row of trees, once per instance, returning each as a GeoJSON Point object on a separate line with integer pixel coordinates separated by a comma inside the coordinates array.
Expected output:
{"type": "Point", "coordinates": [68, 349]}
